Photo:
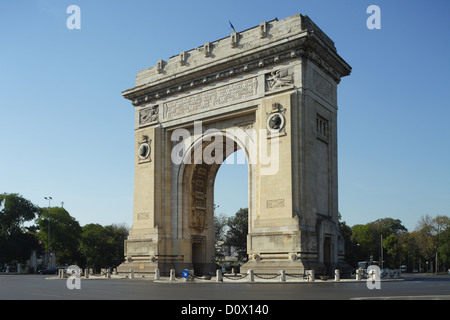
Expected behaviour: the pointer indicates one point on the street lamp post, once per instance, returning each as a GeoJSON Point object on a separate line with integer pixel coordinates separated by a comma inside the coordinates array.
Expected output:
{"type": "Point", "coordinates": [436, 269]}
{"type": "Point", "coordinates": [48, 241]}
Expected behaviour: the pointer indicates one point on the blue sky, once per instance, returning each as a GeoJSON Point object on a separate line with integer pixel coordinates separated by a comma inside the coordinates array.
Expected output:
{"type": "Point", "coordinates": [67, 132]}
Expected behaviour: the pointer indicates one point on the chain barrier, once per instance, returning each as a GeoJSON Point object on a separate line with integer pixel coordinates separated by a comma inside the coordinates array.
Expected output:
{"type": "Point", "coordinates": [235, 277]}
{"type": "Point", "coordinates": [267, 278]}
{"type": "Point", "coordinates": [295, 275]}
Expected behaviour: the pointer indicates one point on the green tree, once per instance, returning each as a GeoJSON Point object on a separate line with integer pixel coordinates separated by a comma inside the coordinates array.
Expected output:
{"type": "Point", "coordinates": [444, 250]}
{"type": "Point", "coordinates": [220, 227]}
{"type": "Point", "coordinates": [16, 241]}
{"type": "Point", "coordinates": [381, 229]}
{"type": "Point", "coordinates": [14, 211]}
{"type": "Point", "coordinates": [353, 252]}
{"type": "Point", "coordinates": [65, 233]}
{"type": "Point", "coordinates": [387, 226]}
{"type": "Point", "coordinates": [364, 239]}
{"type": "Point", "coordinates": [237, 233]}
{"type": "Point", "coordinates": [103, 246]}
{"type": "Point", "coordinates": [431, 236]}
{"type": "Point", "coordinates": [368, 236]}
{"type": "Point", "coordinates": [393, 249]}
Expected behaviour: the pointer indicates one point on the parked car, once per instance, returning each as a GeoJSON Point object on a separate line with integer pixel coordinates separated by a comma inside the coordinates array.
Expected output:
{"type": "Point", "coordinates": [49, 271]}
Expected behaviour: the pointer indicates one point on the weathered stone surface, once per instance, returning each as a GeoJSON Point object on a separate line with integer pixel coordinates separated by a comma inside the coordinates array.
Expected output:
{"type": "Point", "coordinates": [275, 83]}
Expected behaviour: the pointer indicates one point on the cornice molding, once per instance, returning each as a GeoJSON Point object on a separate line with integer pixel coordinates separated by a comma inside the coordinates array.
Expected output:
{"type": "Point", "coordinates": [309, 42]}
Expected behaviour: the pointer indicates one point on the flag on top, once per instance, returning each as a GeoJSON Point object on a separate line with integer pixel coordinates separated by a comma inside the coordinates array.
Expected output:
{"type": "Point", "coordinates": [232, 26]}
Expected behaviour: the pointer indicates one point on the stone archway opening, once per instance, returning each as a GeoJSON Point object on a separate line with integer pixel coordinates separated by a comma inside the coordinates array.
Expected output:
{"type": "Point", "coordinates": [198, 196]}
{"type": "Point", "coordinates": [231, 195]}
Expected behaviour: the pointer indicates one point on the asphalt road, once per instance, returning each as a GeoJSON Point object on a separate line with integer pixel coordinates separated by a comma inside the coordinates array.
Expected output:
{"type": "Point", "coordinates": [187, 296]}
{"type": "Point", "coordinates": [37, 287]}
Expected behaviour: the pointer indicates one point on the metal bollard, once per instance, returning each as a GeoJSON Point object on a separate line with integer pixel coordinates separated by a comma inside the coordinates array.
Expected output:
{"type": "Point", "coordinates": [156, 274]}
{"type": "Point", "coordinates": [219, 277]}
{"type": "Point", "coordinates": [86, 273]}
{"type": "Point", "coordinates": [172, 274]}
{"type": "Point", "coordinates": [282, 276]}
{"type": "Point", "coordinates": [312, 276]}
{"type": "Point", "coordinates": [358, 274]}
{"type": "Point", "coordinates": [337, 275]}
{"type": "Point", "coordinates": [131, 274]}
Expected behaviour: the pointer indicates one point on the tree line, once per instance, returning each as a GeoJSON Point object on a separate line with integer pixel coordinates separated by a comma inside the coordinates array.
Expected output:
{"type": "Point", "coordinates": [385, 240]}
{"type": "Point", "coordinates": [425, 249]}
{"type": "Point", "coordinates": [93, 245]}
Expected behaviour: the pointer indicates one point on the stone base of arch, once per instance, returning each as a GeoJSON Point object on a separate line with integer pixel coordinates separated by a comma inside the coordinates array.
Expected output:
{"type": "Point", "coordinates": [273, 266]}
{"type": "Point", "coordinates": [296, 268]}
{"type": "Point", "coordinates": [148, 268]}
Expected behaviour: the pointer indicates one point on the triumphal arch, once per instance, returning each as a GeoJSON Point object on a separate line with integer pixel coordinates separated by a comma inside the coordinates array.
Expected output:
{"type": "Point", "coordinates": [270, 91]}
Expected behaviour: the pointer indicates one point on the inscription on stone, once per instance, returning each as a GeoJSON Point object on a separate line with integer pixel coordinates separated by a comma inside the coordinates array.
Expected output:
{"type": "Point", "coordinates": [142, 216]}
{"type": "Point", "coordinates": [211, 98]}
{"type": "Point", "coordinates": [277, 203]}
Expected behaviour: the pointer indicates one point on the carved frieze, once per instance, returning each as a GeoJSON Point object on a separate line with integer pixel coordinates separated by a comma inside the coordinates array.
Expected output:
{"type": "Point", "coordinates": [210, 78]}
{"type": "Point", "coordinates": [197, 219]}
{"type": "Point", "coordinates": [210, 98]}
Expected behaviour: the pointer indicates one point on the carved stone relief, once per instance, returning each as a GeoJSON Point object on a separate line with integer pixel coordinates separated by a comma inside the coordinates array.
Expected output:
{"type": "Point", "coordinates": [279, 79]}
{"type": "Point", "coordinates": [211, 98]}
{"type": "Point", "coordinates": [197, 219]}
{"type": "Point", "coordinates": [277, 203]}
{"type": "Point", "coordinates": [143, 216]}
{"type": "Point", "coordinates": [145, 150]}
{"type": "Point", "coordinates": [149, 115]}
{"type": "Point", "coordinates": [276, 121]}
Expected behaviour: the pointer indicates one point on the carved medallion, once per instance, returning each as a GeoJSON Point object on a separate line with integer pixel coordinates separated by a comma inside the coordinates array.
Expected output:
{"type": "Point", "coordinates": [144, 151]}
{"type": "Point", "coordinates": [276, 120]}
